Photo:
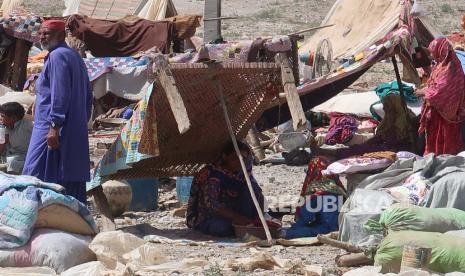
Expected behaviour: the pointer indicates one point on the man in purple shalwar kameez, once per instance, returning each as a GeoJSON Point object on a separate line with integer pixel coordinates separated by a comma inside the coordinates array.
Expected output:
{"type": "Point", "coordinates": [59, 147]}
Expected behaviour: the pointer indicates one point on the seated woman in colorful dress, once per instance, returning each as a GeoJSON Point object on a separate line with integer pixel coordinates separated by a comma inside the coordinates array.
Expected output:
{"type": "Point", "coordinates": [322, 196]}
{"type": "Point", "coordinates": [219, 196]}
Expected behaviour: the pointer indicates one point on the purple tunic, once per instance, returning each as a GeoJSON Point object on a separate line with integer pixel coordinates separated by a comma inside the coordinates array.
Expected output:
{"type": "Point", "coordinates": [64, 97]}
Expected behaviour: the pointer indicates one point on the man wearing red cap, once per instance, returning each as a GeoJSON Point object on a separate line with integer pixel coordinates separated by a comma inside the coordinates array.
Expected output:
{"type": "Point", "coordinates": [59, 147]}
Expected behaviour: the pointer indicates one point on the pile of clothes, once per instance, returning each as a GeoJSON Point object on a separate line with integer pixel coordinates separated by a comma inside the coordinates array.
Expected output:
{"type": "Point", "coordinates": [39, 225]}
{"type": "Point", "coordinates": [414, 201]}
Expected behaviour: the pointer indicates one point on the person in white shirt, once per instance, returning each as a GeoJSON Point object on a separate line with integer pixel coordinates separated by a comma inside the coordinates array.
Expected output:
{"type": "Point", "coordinates": [18, 135]}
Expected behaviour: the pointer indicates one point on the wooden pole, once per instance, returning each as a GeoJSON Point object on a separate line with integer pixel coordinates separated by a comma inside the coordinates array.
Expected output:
{"type": "Point", "coordinates": [310, 30]}
{"type": "Point", "coordinates": [220, 18]}
{"type": "Point", "coordinates": [101, 204]}
{"type": "Point", "coordinates": [219, 88]}
{"type": "Point", "coordinates": [293, 100]}
{"type": "Point", "coordinates": [399, 79]}
{"type": "Point", "coordinates": [172, 94]}
{"type": "Point", "coordinates": [252, 139]}
{"type": "Point", "coordinates": [212, 29]}
{"type": "Point", "coordinates": [351, 260]}
{"type": "Point", "coordinates": [5, 65]}
{"type": "Point", "coordinates": [339, 244]}
{"type": "Point", "coordinates": [412, 136]}
{"type": "Point", "coordinates": [20, 64]}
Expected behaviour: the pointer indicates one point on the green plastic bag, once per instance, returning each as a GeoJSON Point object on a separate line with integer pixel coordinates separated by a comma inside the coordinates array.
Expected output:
{"type": "Point", "coordinates": [448, 252]}
{"type": "Point", "coordinates": [411, 217]}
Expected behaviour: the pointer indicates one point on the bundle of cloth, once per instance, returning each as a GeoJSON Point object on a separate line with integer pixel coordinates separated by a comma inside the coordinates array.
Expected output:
{"type": "Point", "coordinates": [342, 129]}
{"type": "Point", "coordinates": [126, 37]}
{"type": "Point", "coordinates": [431, 181]}
{"type": "Point", "coordinates": [22, 198]}
{"type": "Point", "coordinates": [442, 175]}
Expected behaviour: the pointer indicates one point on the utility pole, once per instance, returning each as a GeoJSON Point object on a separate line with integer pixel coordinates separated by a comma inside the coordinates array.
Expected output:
{"type": "Point", "coordinates": [212, 29]}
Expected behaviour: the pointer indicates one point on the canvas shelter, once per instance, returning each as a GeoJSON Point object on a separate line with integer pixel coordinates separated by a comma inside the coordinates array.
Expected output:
{"type": "Point", "coordinates": [378, 28]}
{"type": "Point", "coordinates": [121, 38]}
{"type": "Point", "coordinates": [116, 9]}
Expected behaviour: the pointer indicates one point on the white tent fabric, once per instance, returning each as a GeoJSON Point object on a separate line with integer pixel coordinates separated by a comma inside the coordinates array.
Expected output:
{"type": "Point", "coordinates": [359, 104]}
{"type": "Point", "coordinates": [116, 9]}
{"type": "Point", "coordinates": [9, 5]}
{"type": "Point", "coordinates": [72, 7]}
{"type": "Point", "coordinates": [357, 25]}
{"type": "Point", "coordinates": [351, 103]}
{"type": "Point", "coordinates": [154, 10]}
{"type": "Point", "coordinates": [117, 83]}
{"type": "Point", "coordinates": [431, 28]}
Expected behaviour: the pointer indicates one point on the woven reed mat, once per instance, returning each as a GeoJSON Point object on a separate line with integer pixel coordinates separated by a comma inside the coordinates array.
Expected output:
{"type": "Point", "coordinates": [249, 89]}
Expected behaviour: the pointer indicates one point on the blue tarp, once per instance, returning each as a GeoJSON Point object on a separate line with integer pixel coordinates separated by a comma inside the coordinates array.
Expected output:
{"type": "Point", "coordinates": [461, 55]}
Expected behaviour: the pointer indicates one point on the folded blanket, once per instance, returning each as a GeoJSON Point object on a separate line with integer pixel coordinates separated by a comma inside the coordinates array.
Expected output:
{"type": "Point", "coordinates": [21, 198]}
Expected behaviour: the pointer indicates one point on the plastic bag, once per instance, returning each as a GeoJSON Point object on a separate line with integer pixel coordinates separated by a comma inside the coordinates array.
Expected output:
{"type": "Point", "coordinates": [401, 217]}
{"type": "Point", "coordinates": [448, 252]}
{"type": "Point", "coordinates": [147, 254]}
{"type": "Point", "coordinates": [88, 269]}
{"type": "Point", "coordinates": [357, 165]}
{"type": "Point", "coordinates": [290, 139]}
{"type": "Point", "coordinates": [111, 246]}
{"type": "Point", "coordinates": [361, 206]}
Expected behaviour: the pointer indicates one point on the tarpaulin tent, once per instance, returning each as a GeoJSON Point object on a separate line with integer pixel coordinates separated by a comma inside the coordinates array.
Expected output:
{"type": "Point", "coordinates": [116, 9]}
{"type": "Point", "coordinates": [376, 27]}
{"type": "Point", "coordinates": [121, 38]}
{"type": "Point", "coordinates": [9, 5]}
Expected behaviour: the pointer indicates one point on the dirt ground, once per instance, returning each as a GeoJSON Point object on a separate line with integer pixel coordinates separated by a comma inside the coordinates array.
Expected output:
{"type": "Point", "coordinates": [275, 180]}
{"type": "Point", "coordinates": [257, 18]}
{"type": "Point", "coordinates": [268, 18]}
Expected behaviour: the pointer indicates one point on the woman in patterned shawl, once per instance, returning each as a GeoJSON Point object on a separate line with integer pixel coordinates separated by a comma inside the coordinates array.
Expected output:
{"type": "Point", "coordinates": [444, 109]}
{"type": "Point", "coordinates": [219, 196]}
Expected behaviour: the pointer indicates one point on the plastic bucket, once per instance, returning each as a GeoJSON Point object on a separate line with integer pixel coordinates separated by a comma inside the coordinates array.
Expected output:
{"type": "Point", "coordinates": [183, 188]}
{"type": "Point", "coordinates": [144, 194]}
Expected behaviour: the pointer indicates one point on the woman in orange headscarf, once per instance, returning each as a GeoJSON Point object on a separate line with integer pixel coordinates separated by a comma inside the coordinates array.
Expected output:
{"type": "Point", "coordinates": [444, 108]}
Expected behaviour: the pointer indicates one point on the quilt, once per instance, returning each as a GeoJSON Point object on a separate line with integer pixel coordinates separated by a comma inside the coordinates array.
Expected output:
{"type": "Point", "coordinates": [22, 24]}
{"type": "Point", "coordinates": [21, 198]}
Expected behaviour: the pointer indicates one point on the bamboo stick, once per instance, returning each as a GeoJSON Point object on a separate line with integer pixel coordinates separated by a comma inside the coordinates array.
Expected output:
{"type": "Point", "coordinates": [221, 18]}
{"type": "Point", "coordinates": [351, 260]}
{"type": "Point", "coordinates": [255, 144]}
{"type": "Point", "coordinates": [339, 244]}
{"type": "Point", "coordinates": [239, 155]}
{"type": "Point", "coordinates": [310, 29]}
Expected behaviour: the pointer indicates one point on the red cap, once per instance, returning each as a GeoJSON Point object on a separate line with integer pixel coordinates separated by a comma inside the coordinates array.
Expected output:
{"type": "Point", "coordinates": [54, 25]}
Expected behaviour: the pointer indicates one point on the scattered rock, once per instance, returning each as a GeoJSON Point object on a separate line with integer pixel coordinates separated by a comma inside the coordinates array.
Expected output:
{"type": "Point", "coordinates": [170, 204]}
{"type": "Point", "coordinates": [99, 152]}
{"type": "Point", "coordinates": [260, 260]}
{"type": "Point", "coordinates": [313, 270]}
{"type": "Point", "coordinates": [109, 247]}
{"type": "Point", "coordinates": [180, 212]}
{"type": "Point", "coordinates": [147, 254]}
